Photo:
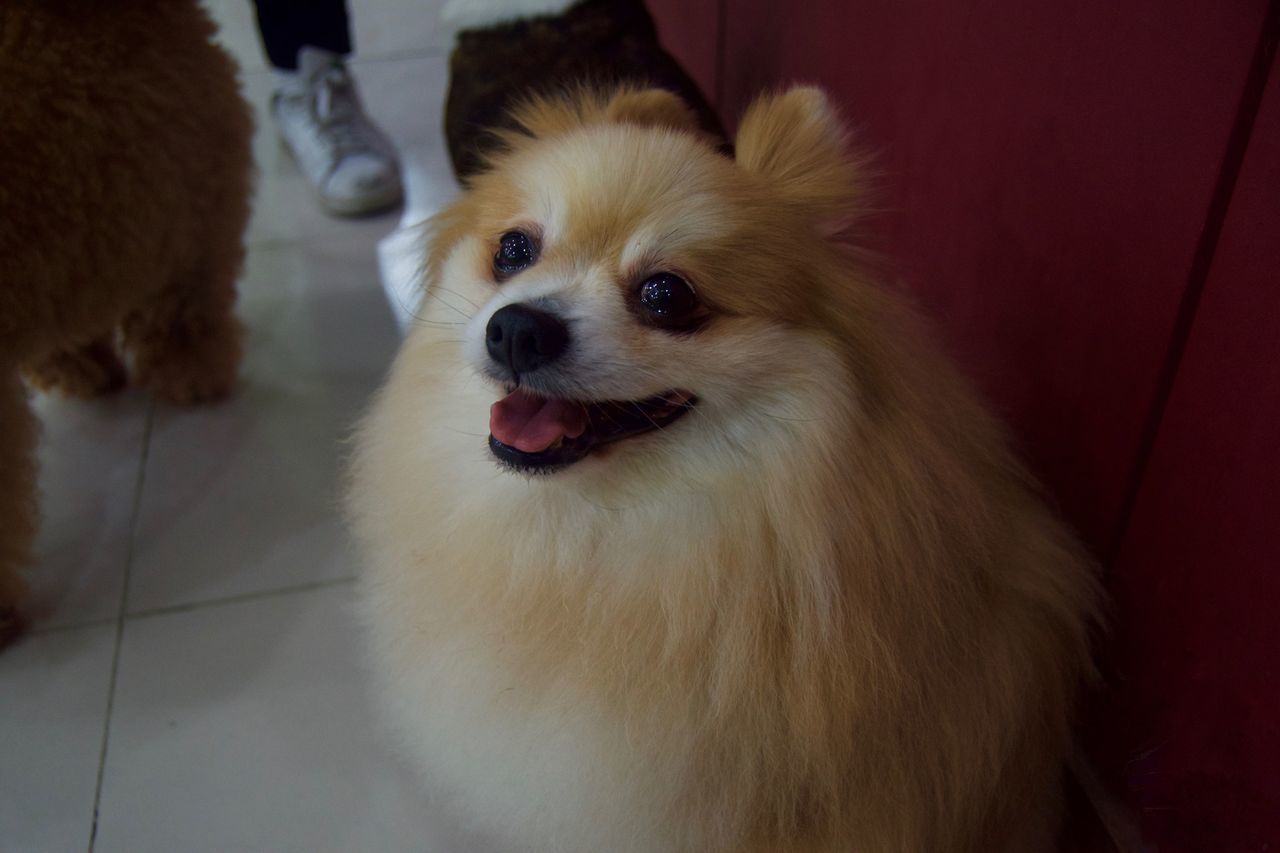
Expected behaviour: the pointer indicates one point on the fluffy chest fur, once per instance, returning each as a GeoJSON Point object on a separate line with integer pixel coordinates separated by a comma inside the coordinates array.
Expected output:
{"type": "Point", "coordinates": [603, 670]}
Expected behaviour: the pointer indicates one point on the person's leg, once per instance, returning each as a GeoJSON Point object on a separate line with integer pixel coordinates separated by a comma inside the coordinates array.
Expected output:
{"type": "Point", "coordinates": [345, 157]}
{"type": "Point", "coordinates": [287, 26]}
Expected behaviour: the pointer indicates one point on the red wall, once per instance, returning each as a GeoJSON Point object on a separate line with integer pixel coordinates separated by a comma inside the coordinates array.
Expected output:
{"type": "Point", "coordinates": [1054, 177]}
{"type": "Point", "coordinates": [1197, 582]}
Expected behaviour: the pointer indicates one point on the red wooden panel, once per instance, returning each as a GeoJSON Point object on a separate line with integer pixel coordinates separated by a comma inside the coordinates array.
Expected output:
{"type": "Point", "coordinates": [1048, 167]}
{"type": "Point", "coordinates": [1197, 584]}
{"type": "Point", "coordinates": [690, 31]}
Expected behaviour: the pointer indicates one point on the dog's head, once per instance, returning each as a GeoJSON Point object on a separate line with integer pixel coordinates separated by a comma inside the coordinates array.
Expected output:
{"type": "Point", "coordinates": [634, 288]}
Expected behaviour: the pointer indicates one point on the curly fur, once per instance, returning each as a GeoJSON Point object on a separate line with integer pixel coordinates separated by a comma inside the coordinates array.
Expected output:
{"type": "Point", "coordinates": [127, 165]}
{"type": "Point", "coordinates": [827, 610]}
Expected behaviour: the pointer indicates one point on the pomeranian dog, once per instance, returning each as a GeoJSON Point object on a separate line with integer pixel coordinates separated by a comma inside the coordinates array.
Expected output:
{"type": "Point", "coordinates": [127, 163]}
{"type": "Point", "coordinates": [741, 564]}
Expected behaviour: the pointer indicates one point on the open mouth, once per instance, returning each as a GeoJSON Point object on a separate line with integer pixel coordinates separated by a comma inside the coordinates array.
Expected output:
{"type": "Point", "coordinates": [542, 434]}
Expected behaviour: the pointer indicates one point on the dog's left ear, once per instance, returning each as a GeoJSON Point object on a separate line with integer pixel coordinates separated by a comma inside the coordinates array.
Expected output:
{"type": "Point", "coordinates": [797, 140]}
{"type": "Point", "coordinates": [651, 108]}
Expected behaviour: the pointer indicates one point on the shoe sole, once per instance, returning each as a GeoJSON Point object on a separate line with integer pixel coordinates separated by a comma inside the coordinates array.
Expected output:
{"type": "Point", "coordinates": [348, 208]}
{"type": "Point", "coordinates": [366, 206]}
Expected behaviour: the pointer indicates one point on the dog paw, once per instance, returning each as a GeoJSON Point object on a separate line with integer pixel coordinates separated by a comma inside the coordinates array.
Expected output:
{"type": "Point", "coordinates": [186, 368]}
{"type": "Point", "coordinates": [89, 371]}
{"type": "Point", "coordinates": [189, 378]}
{"type": "Point", "coordinates": [190, 391]}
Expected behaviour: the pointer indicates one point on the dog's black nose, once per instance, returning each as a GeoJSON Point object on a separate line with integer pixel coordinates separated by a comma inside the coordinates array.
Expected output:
{"type": "Point", "coordinates": [523, 338]}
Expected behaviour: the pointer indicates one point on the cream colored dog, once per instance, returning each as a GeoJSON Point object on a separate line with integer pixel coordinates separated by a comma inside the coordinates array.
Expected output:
{"type": "Point", "coordinates": [753, 570]}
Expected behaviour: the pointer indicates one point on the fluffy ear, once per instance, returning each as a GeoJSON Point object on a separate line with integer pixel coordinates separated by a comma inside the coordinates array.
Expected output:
{"type": "Point", "coordinates": [651, 108]}
{"type": "Point", "coordinates": [797, 141]}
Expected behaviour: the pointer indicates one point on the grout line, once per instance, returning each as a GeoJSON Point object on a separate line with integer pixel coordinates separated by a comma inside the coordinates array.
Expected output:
{"type": "Point", "coordinates": [166, 609]}
{"type": "Point", "coordinates": [239, 599]}
{"type": "Point", "coordinates": [325, 239]}
{"type": "Point", "coordinates": [67, 627]}
{"type": "Point", "coordinates": [399, 55]}
{"type": "Point", "coordinates": [1250, 102]}
{"type": "Point", "coordinates": [356, 60]}
{"type": "Point", "coordinates": [119, 639]}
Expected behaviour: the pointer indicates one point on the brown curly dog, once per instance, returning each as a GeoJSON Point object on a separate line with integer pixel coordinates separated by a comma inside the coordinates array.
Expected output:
{"type": "Point", "coordinates": [126, 165]}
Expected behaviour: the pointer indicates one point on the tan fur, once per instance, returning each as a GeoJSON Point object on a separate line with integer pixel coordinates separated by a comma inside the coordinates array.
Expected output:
{"type": "Point", "coordinates": [126, 156]}
{"type": "Point", "coordinates": [825, 611]}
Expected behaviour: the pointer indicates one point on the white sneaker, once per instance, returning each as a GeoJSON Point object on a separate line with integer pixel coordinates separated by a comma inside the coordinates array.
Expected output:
{"type": "Point", "coordinates": [346, 158]}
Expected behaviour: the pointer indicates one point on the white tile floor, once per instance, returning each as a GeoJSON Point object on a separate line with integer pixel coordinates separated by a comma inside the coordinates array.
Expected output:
{"type": "Point", "coordinates": [192, 682]}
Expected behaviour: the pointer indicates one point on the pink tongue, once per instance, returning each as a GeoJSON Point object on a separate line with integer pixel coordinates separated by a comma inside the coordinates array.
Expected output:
{"type": "Point", "coordinates": [532, 424]}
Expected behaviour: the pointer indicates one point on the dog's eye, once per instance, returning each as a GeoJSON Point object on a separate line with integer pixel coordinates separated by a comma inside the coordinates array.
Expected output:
{"type": "Point", "coordinates": [668, 298]}
{"type": "Point", "coordinates": [516, 250]}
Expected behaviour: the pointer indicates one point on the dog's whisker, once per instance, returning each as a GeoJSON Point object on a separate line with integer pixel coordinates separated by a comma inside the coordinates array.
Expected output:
{"type": "Point", "coordinates": [419, 318]}
{"type": "Point", "coordinates": [433, 294]}
{"type": "Point", "coordinates": [437, 324]}
{"type": "Point", "coordinates": [772, 416]}
{"type": "Point", "coordinates": [467, 432]}
{"type": "Point", "coordinates": [457, 294]}
{"type": "Point", "coordinates": [605, 413]}
{"type": "Point", "coordinates": [646, 415]}
{"type": "Point", "coordinates": [600, 506]}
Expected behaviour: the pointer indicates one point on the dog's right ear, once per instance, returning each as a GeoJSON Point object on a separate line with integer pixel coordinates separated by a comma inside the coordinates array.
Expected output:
{"type": "Point", "coordinates": [797, 140]}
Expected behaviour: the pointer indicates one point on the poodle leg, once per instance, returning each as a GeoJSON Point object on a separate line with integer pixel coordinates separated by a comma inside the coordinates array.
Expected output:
{"type": "Point", "coordinates": [17, 499]}
{"type": "Point", "coordinates": [186, 342]}
{"type": "Point", "coordinates": [86, 371]}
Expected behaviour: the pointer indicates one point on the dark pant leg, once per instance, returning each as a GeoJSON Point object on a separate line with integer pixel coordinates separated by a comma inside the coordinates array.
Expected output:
{"type": "Point", "coordinates": [286, 26]}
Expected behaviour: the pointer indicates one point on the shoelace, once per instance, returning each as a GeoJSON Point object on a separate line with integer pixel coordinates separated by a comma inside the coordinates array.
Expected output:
{"type": "Point", "coordinates": [333, 104]}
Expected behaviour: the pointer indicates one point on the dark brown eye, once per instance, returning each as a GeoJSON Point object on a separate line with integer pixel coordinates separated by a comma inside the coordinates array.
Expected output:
{"type": "Point", "coordinates": [668, 299]}
{"type": "Point", "coordinates": [516, 250]}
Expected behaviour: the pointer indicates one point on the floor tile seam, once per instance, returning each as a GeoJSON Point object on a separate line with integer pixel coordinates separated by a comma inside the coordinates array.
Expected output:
{"type": "Point", "coordinates": [259, 71]}
{"type": "Point", "coordinates": [322, 241]}
{"type": "Point", "coordinates": [135, 511]}
{"type": "Point", "coordinates": [72, 626]}
{"type": "Point", "coordinates": [229, 600]}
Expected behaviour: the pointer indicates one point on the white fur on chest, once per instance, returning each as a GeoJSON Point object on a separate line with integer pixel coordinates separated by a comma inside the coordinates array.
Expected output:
{"type": "Point", "coordinates": [545, 775]}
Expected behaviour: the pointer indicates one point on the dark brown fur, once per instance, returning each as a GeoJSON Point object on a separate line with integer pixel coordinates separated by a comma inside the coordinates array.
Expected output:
{"type": "Point", "coordinates": [127, 166]}
{"type": "Point", "coordinates": [604, 43]}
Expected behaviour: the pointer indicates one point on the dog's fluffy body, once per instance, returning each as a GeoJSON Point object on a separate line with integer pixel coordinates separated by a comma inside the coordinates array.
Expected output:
{"type": "Point", "coordinates": [127, 164]}
{"type": "Point", "coordinates": [824, 611]}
